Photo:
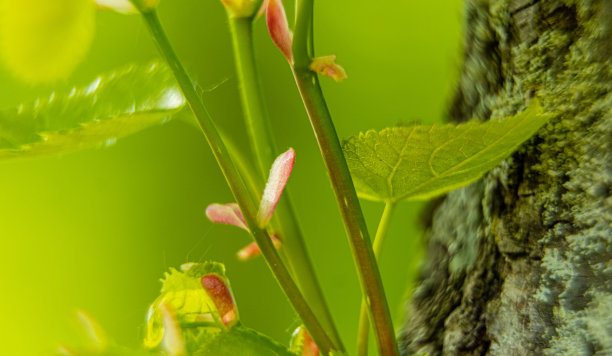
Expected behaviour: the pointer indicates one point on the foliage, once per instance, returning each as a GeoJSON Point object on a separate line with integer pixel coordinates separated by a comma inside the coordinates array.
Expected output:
{"type": "Point", "coordinates": [201, 327]}
{"type": "Point", "coordinates": [421, 161]}
{"type": "Point", "coordinates": [113, 105]}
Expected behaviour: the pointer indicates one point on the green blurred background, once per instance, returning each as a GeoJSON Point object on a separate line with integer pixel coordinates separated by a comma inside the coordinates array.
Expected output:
{"type": "Point", "coordinates": [96, 229]}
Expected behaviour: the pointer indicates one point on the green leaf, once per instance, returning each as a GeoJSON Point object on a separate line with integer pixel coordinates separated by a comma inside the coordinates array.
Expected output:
{"type": "Point", "coordinates": [112, 106]}
{"type": "Point", "coordinates": [194, 327]}
{"type": "Point", "coordinates": [420, 162]}
{"type": "Point", "coordinates": [238, 341]}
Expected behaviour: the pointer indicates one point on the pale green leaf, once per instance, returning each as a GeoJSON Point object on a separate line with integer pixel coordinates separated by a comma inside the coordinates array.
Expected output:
{"type": "Point", "coordinates": [420, 162]}
{"type": "Point", "coordinates": [238, 341]}
{"type": "Point", "coordinates": [110, 107]}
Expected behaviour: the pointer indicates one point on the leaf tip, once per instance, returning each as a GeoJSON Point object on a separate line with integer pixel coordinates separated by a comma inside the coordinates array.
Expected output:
{"type": "Point", "coordinates": [229, 214]}
{"type": "Point", "coordinates": [277, 180]}
{"type": "Point", "coordinates": [278, 27]}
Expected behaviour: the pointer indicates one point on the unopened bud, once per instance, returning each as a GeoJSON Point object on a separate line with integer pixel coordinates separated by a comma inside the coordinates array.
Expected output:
{"type": "Point", "coordinates": [326, 65]}
{"type": "Point", "coordinates": [221, 295]}
{"type": "Point", "coordinates": [226, 214]}
{"type": "Point", "coordinates": [279, 175]}
{"type": "Point", "coordinates": [276, 19]}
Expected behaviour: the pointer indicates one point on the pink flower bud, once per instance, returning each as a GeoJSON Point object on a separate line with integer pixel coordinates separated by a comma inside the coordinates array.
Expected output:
{"type": "Point", "coordinates": [326, 65]}
{"type": "Point", "coordinates": [252, 250]}
{"type": "Point", "coordinates": [278, 27]}
{"type": "Point", "coordinates": [226, 214]}
{"type": "Point", "coordinates": [279, 175]}
{"type": "Point", "coordinates": [222, 297]}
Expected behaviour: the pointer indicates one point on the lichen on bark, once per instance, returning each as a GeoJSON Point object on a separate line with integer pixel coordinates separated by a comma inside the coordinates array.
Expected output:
{"type": "Point", "coordinates": [519, 263]}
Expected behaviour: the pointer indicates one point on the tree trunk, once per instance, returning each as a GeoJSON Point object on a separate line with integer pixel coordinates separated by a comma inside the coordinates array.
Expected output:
{"type": "Point", "coordinates": [519, 263]}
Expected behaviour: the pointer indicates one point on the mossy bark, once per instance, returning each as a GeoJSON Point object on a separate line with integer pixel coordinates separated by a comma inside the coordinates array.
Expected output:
{"type": "Point", "coordinates": [519, 263]}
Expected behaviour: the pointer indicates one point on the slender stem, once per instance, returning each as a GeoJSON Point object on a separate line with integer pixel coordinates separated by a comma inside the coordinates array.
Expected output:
{"type": "Point", "coordinates": [303, 34]}
{"type": "Point", "coordinates": [364, 323]}
{"type": "Point", "coordinates": [350, 210]}
{"type": "Point", "coordinates": [236, 183]}
{"type": "Point", "coordinates": [256, 112]}
{"type": "Point", "coordinates": [265, 149]}
{"type": "Point", "coordinates": [337, 168]}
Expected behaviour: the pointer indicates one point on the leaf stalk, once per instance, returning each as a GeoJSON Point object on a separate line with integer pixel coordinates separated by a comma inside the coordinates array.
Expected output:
{"type": "Point", "coordinates": [364, 323]}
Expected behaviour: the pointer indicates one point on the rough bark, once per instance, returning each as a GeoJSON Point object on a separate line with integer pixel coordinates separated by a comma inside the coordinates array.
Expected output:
{"type": "Point", "coordinates": [519, 263]}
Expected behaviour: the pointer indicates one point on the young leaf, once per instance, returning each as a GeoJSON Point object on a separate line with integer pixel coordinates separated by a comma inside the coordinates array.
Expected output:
{"type": "Point", "coordinates": [218, 289]}
{"type": "Point", "coordinates": [203, 306]}
{"type": "Point", "coordinates": [226, 214]}
{"type": "Point", "coordinates": [420, 162]}
{"type": "Point", "coordinates": [278, 27]}
{"type": "Point", "coordinates": [239, 340]}
{"type": "Point", "coordinates": [112, 106]}
{"type": "Point", "coordinates": [279, 175]}
{"type": "Point", "coordinates": [183, 292]}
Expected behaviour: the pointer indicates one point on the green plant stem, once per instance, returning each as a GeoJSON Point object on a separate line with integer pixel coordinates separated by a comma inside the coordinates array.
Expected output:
{"type": "Point", "coordinates": [265, 149]}
{"type": "Point", "coordinates": [256, 113]}
{"type": "Point", "coordinates": [337, 168]}
{"type": "Point", "coordinates": [236, 183]}
{"type": "Point", "coordinates": [350, 210]}
{"type": "Point", "coordinates": [364, 323]}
